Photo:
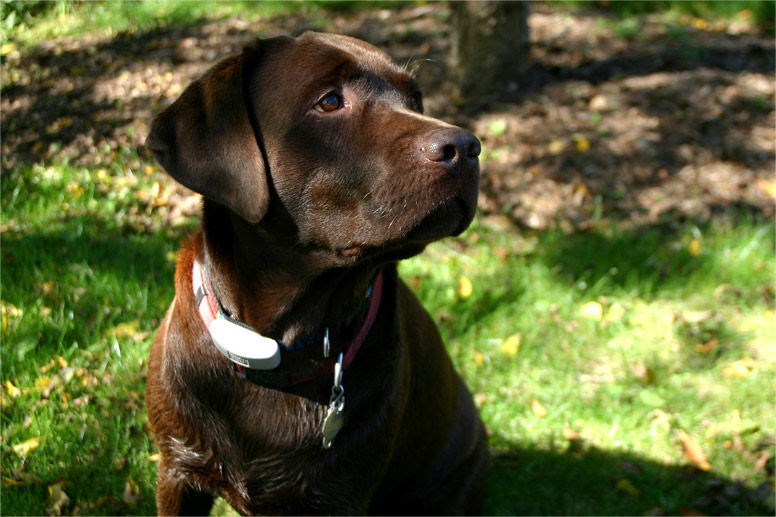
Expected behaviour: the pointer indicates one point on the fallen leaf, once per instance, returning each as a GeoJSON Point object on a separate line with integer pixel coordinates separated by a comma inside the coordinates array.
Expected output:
{"type": "Point", "coordinates": [511, 345]}
{"type": "Point", "coordinates": [479, 358]}
{"type": "Point", "coordinates": [465, 287]}
{"type": "Point", "coordinates": [537, 409]}
{"type": "Point", "coordinates": [9, 310]}
{"type": "Point", "coordinates": [581, 143]}
{"type": "Point", "coordinates": [615, 313]}
{"type": "Point", "coordinates": [27, 446]}
{"type": "Point", "coordinates": [131, 493]}
{"type": "Point", "coordinates": [12, 390]}
{"type": "Point", "coordinates": [556, 147]}
{"type": "Point", "coordinates": [599, 103]}
{"type": "Point", "coordinates": [739, 369]}
{"type": "Point", "coordinates": [693, 451]}
{"type": "Point", "coordinates": [695, 247]}
{"type": "Point", "coordinates": [629, 488]}
{"type": "Point", "coordinates": [7, 48]}
{"type": "Point", "coordinates": [768, 186]}
{"type": "Point", "coordinates": [705, 348]}
{"type": "Point", "coordinates": [42, 382]}
{"type": "Point", "coordinates": [761, 459]}
{"type": "Point", "coordinates": [569, 433]}
{"type": "Point", "coordinates": [480, 399]}
{"type": "Point", "coordinates": [592, 310]}
{"type": "Point", "coordinates": [128, 329]}
{"type": "Point", "coordinates": [700, 23]}
{"type": "Point", "coordinates": [57, 499]}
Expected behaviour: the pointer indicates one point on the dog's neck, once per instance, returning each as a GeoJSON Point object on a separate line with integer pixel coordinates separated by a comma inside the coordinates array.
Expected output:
{"type": "Point", "coordinates": [280, 290]}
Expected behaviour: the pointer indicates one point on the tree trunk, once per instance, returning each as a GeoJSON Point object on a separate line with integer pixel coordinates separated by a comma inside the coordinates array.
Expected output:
{"type": "Point", "coordinates": [489, 47]}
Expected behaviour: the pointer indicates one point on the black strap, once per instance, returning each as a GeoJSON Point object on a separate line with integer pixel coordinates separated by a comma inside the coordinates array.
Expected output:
{"type": "Point", "coordinates": [276, 378]}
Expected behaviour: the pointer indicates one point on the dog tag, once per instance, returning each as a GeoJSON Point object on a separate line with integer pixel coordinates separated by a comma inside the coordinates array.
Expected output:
{"type": "Point", "coordinates": [334, 420]}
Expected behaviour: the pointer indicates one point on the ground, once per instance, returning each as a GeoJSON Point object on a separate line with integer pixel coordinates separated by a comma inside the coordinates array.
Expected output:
{"type": "Point", "coordinates": [615, 119]}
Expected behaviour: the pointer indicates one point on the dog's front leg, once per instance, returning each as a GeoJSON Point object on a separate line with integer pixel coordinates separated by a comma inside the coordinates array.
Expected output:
{"type": "Point", "coordinates": [174, 497]}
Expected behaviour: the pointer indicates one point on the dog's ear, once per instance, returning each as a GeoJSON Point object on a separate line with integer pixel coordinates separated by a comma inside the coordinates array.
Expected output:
{"type": "Point", "coordinates": [205, 139]}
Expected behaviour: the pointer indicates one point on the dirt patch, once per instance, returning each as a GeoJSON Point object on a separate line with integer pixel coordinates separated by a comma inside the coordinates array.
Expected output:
{"type": "Point", "coordinates": [611, 122]}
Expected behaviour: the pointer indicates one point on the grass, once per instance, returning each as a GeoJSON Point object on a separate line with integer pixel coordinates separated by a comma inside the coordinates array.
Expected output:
{"type": "Point", "coordinates": [586, 411]}
{"type": "Point", "coordinates": [620, 339]}
{"type": "Point", "coordinates": [598, 359]}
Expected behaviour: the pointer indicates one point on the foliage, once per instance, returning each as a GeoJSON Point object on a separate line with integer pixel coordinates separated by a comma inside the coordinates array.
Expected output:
{"type": "Point", "coordinates": [762, 10]}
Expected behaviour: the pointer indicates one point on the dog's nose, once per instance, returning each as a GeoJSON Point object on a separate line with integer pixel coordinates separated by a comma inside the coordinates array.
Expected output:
{"type": "Point", "coordinates": [455, 147]}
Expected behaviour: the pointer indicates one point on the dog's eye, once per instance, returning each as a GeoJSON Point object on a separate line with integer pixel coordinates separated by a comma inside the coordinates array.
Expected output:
{"type": "Point", "coordinates": [416, 102]}
{"type": "Point", "coordinates": [330, 102]}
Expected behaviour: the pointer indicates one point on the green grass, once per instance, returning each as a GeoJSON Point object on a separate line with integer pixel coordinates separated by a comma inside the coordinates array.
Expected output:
{"type": "Point", "coordinates": [87, 270]}
{"type": "Point", "coordinates": [35, 22]}
{"type": "Point", "coordinates": [625, 382]}
{"type": "Point", "coordinates": [87, 274]}
{"type": "Point", "coordinates": [760, 11]}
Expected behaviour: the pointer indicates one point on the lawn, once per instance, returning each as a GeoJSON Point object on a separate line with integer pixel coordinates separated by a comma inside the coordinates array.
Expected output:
{"type": "Point", "coordinates": [622, 366]}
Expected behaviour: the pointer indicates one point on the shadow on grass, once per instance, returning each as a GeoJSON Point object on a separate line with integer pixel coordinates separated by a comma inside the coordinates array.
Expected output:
{"type": "Point", "coordinates": [80, 280]}
{"type": "Point", "coordinates": [582, 480]}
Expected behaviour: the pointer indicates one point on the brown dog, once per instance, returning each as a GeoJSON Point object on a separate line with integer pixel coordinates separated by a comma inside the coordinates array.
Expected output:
{"type": "Point", "coordinates": [294, 372]}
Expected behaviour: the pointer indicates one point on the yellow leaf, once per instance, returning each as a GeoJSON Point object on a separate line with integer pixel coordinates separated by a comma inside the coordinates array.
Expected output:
{"type": "Point", "coordinates": [700, 24]}
{"type": "Point", "coordinates": [592, 310]}
{"type": "Point", "coordinates": [569, 433]}
{"type": "Point", "coordinates": [42, 382]}
{"type": "Point", "coordinates": [155, 457]}
{"type": "Point", "coordinates": [12, 390]}
{"type": "Point", "coordinates": [12, 482]}
{"type": "Point", "coordinates": [511, 345]}
{"type": "Point", "coordinates": [556, 147]}
{"type": "Point", "coordinates": [537, 409]}
{"type": "Point", "coordinates": [615, 312]}
{"type": "Point", "coordinates": [57, 499]}
{"type": "Point", "coordinates": [739, 369]}
{"type": "Point", "coordinates": [695, 247]}
{"type": "Point", "coordinates": [693, 451]}
{"type": "Point", "coordinates": [581, 143]}
{"type": "Point", "coordinates": [128, 329]}
{"type": "Point", "coordinates": [7, 48]}
{"type": "Point", "coordinates": [27, 446]}
{"type": "Point", "coordinates": [148, 169]}
{"type": "Point", "coordinates": [627, 487]}
{"type": "Point", "coordinates": [465, 287]}
{"type": "Point", "coordinates": [768, 186]}
{"type": "Point", "coordinates": [9, 310]}
{"type": "Point", "coordinates": [479, 358]}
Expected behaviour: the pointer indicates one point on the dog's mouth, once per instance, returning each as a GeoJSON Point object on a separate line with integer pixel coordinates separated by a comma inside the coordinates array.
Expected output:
{"type": "Point", "coordinates": [448, 219]}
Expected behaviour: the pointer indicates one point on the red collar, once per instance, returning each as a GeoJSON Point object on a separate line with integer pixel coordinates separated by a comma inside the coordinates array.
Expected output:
{"type": "Point", "coordinates": [210, 310]}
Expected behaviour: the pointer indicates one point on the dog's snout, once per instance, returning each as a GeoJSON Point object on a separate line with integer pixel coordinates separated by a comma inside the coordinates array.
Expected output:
{"type": "Point", "coordinates": [453, 147]}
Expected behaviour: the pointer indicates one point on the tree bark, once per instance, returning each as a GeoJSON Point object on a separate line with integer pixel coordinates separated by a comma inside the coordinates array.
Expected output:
{"type": "Point", "coordinates": [489, 47]}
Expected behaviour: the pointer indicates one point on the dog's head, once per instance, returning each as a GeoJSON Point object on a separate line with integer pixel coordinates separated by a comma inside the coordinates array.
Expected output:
{"type": "Point", "coordinates": [322, 137]}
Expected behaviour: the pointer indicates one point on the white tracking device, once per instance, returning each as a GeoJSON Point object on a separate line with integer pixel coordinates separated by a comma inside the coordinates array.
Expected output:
{"type": "Point", "coordinates": [243, 345]}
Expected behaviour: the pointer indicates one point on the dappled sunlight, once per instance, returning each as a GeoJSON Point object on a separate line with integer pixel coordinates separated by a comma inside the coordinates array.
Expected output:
{"type": "Point", "coordinates": [611, 307]}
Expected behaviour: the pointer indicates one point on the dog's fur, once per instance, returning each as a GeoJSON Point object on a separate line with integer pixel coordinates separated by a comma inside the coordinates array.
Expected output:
{"type": "Point", "coordinates": [302, 207]}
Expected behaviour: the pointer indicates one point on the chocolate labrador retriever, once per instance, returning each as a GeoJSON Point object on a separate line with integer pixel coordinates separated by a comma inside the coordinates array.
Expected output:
{"type": "Point", "coordinates": [294, 372]}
